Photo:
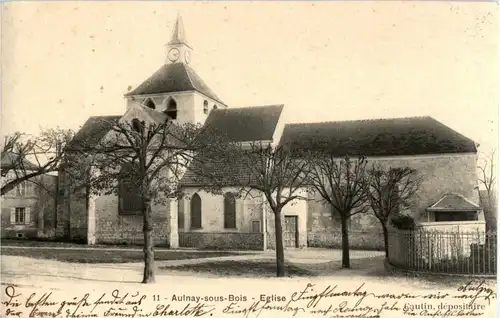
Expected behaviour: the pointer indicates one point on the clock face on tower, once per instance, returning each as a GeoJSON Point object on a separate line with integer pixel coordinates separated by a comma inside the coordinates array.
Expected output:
{"type": "Point", "coordinates": [187, 56]}
{"type": "Point", "coordinates": [173, 55]}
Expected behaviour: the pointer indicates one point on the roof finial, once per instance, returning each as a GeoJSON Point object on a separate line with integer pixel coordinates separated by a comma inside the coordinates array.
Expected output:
{"type": "Point", "coordinates": [179, 35]}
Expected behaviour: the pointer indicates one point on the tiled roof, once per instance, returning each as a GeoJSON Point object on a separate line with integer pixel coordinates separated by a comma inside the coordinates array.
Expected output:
{"type": "Point", "coordinates": [453, 202]}
{"type": "Point", "coordinates": [245, 124]}
{"type": "Point", "coordinates": [94, 129]}
{"type": "Point", "coordinates": [175, 77]}
{"type": "Point", "coordinates": [202, 172]}
{"type": "Point", "coordinates": [11, 161]}
{"type": "Point", "coordinates": [378, 137]}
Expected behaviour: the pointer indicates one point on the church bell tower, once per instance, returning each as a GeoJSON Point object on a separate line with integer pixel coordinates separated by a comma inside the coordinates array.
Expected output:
{"type": "Point", "coordinates": [175, 89]}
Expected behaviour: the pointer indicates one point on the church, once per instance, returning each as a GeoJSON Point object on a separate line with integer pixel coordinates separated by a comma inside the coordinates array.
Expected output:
{"type": "Point", "coordinates": [447, 198]}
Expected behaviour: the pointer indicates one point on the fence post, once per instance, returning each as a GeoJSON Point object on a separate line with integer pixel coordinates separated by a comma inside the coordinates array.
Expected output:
{"type": "Point", "coordinates": [429, 252]}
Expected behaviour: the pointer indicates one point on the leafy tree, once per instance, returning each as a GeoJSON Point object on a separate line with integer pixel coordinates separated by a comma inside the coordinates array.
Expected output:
{"type": "Point", "coordinates": [145, 158]}
{"type": "Point", "coordinates": [26, 157]}
{"type": "Point", "coordinates": [388, 190]}
{"type": "Point", "coordinates": [341, 183]}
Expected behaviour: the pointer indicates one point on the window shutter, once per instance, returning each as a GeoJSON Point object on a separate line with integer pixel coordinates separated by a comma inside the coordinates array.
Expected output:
{"type": "Point", "coordinates": [27, 217]}
{"type": "Point", "coordinates": [12, 215]}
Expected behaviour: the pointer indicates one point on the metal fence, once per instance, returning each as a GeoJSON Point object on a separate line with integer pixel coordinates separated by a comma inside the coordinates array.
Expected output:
{"type": "Point", "coordinates": [470, 253]}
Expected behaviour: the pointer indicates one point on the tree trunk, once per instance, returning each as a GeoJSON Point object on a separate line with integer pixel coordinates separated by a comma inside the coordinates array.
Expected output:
{"type": "Point", "coordinates": [346, 263]}
{"type": "Point", "coordinates": [386, 240]}
{"type": "Point", "coordinates": [148, 276]}
{"type": "Point", "coordinates": [280, 254]}
{"type": "Point", "coordinates": [489, 215]}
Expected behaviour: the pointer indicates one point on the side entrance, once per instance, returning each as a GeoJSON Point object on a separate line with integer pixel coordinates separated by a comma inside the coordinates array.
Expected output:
{"type": "Point", "coordinates": [290, 233]}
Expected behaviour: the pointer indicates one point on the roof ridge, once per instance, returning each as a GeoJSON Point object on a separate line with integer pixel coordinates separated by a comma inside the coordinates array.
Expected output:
{"type": "Point", "coordinates": [255, 106]}
{"type": "Point", "coordinates": [456, 132]}
{"type": "Point", "coordinates": [189, 76]}
{"type": "Point", "coordinates": [102, 116]}
{"type": "Point", "coordinates": [148, 79]}
{"type": "Point", "coordinates": [459, 195]}
{"type": "Point", "coordinates": [215, 97]}
{"type": "Point", "coordinates": [361, 120]}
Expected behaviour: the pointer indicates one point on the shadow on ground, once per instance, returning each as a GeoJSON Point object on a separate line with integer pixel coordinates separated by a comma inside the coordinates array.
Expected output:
{"type": "Point", "coordinates": [371, 268]}
{"type": "Point", "coordinates": [106, 256]}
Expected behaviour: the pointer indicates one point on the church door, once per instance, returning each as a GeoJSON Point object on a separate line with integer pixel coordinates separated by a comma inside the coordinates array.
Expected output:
{"type": "Point", "coordinates": [290, 233]}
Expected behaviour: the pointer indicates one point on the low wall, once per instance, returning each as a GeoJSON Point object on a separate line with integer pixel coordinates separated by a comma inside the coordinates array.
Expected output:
{"type": "Point", "coordinates": [131, 237]}
{"type": "Point", "coordinates": [461, 226]}
{"type": "Point", "coordinates": [233, 241]}
{"type": "Point", "coordinates": [30, 233]}
{"type": "Point", "coordinates": [363, 240]}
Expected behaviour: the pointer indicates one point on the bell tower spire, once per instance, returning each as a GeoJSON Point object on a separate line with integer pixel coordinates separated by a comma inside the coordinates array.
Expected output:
{"type": "Point", "coordinates": [179, 34]}
{"type": "Point", "coordinates": [179, 50]}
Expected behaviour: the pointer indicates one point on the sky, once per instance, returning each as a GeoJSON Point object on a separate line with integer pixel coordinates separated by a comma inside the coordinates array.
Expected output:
{"type": "Point", "coordinates": [325, 61]}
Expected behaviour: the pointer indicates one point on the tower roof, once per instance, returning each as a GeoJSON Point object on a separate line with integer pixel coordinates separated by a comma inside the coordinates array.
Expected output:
{"type": "Point", "coordinates": [176, 77]}
{"type": "Point", "coordinates": [179, 34]}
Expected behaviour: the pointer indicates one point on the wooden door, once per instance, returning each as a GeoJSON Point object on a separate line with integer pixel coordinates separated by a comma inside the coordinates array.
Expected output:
{"type": "Point", "coordinates": [290, 231]}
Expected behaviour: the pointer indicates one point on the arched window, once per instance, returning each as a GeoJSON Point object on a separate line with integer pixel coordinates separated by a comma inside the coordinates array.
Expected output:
{"type": "Point", "coordinates": [129, 190]}
{"type": "Point", "coordinates": [215, 106]}
{"type": "Point", "coordinates": [149, 103]}
{"type": "Point", "coordinates": [171, 110]}
{"type": "Point", "coordinates": [205, 107]}
{"type": "Point", "coordinates": [229, 211]}
{"type": "Point", "coordinates": [196, 211]}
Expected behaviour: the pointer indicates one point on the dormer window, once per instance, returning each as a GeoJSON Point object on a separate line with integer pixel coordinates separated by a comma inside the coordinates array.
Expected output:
{"type": "Point", "coordinates": [149, 103]}
{"type": "Point", "coordinates": [205, 107]}
{"type": "Point", "coordinates": [171, 110]}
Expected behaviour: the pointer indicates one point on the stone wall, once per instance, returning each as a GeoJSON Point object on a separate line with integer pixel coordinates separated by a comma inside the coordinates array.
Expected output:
{"type": "Point", "coordinates": [324, 230]}
{"type": "Point", "coordinates": [113, 227]}
{"type": "Point", "coordinates": [110, 227]}
{"type": "Point", "coordinates": [227, 241]}
{"type": "Point", "coordinates": [441, 174]}
{"type": "Point", "coordinates": [71, 209]}
{"type": "Point", "coordinates": [297, 208]}
{"type": "Point", "coordinates": [248, 209]}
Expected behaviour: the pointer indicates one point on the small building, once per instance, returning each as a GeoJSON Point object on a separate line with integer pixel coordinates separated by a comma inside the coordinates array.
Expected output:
{"type": "Point", "coordinates": [28, 210]}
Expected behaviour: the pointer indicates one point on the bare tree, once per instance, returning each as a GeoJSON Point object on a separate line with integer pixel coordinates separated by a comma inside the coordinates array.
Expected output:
{"type": "Point", "coordinates": [341, 183]}
{"type": "Point", "coordinates": [271, 171]}
{"type": "Point", "coordinates": [26, 157]}
{"type": "Point", "coordinates": [280, 176]}
{"type": "Point", "coordinates": [487, 178]}
{"type": "Point", "coordinates": [388, 191]}
{"type": "Point", "coordinates": [141, 159]}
